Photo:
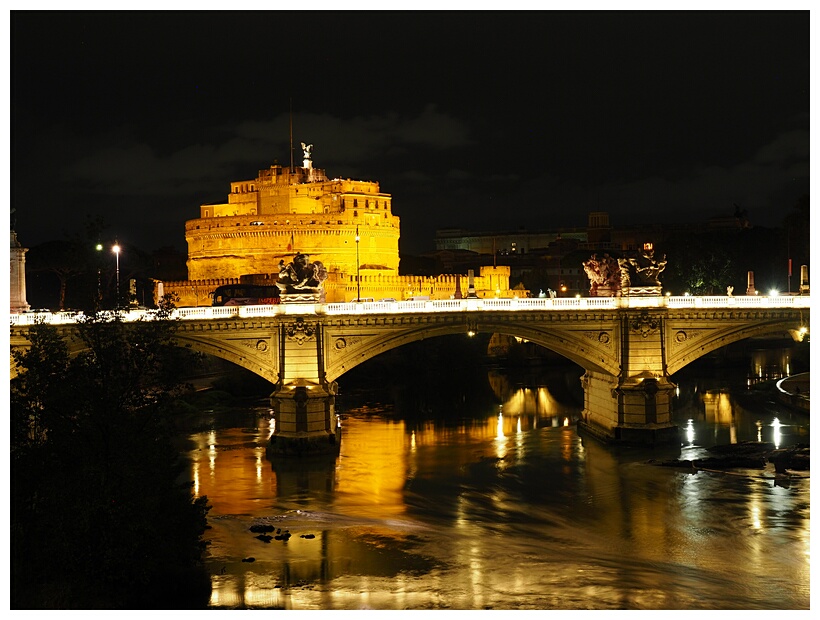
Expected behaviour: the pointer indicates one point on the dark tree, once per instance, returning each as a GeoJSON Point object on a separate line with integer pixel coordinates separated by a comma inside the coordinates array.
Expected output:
{"type": "Point", "coordinates": [61, 258]}
{"type": "Point", "coordinates": [101, 517]}
{"type": "Point", "coordinates": [797, 226]}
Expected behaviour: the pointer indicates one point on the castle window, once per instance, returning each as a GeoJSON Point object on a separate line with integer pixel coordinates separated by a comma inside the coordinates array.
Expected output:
{"type": "Point", "coordinates": [355, 214]}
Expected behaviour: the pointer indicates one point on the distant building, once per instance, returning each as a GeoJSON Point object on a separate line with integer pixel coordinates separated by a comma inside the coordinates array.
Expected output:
{"type": "Point", "coordinates": [557, 255]}
{"type": "Point", "coordinates": [599, 235]}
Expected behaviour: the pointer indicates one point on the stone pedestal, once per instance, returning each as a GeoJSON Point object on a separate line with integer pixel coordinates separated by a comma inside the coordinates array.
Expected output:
{"type": "Point", "coordinates": [750, 283]}
{"type": "Point", "coordinates": [641, 291]}
{"type": "Point", "coordinates": [303, 298]}
{"type": "Point", "coordinates": [804, 279]}
{"type": "Point", "coordinates": [605, 291]}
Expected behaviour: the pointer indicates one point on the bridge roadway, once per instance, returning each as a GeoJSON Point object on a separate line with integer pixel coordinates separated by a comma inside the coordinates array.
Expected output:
{"type": "Point", "coordinates": [628, 346]}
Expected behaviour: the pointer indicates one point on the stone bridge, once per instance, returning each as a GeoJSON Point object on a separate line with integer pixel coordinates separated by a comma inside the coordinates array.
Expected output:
{"type": "Point", "coordinates": [628, 348]}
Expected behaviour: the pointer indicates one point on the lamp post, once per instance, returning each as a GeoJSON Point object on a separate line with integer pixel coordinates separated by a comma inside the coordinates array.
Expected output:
{"type": "Point", "coordinates": [358, 278]}
{"type": "Point", "coordinates": [116, 250]}
{"type": "Point", "coordinates": [98, 303]}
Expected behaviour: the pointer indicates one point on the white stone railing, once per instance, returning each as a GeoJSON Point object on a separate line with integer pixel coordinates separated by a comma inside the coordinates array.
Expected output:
{"type": "Point", "coordinates": [444, 305]}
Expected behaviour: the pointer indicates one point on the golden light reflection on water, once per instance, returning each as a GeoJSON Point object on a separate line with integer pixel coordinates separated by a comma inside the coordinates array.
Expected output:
{"type": "Point", "coordinates": [373, 469]}
{"type": "Point", "coordinates": [641, 536]}
{"type": "Point", "coordinates": [768, 364]}
{"type": "Point", "coordinates": [231, 469]}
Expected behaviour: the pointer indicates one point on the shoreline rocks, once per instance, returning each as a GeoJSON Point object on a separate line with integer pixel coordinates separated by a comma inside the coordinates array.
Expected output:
{"type": "Point", "coordinates": [747, 455]}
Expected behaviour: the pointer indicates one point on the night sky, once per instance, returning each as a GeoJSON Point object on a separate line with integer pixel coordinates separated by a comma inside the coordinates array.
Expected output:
{"type": "Point", "coordinates": [478, 120]}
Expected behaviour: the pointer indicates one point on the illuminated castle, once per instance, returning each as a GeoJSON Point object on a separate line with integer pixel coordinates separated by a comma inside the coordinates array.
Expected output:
{"type": "Point", "coordinates": [285, 210]}
{"type": "Point", "coordinates": [348, 225]}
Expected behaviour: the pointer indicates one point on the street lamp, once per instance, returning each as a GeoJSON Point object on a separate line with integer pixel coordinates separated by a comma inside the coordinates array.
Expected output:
{"type": "Point", "coordinates": [116, 250]}
{"type": "Point", "coordinates": [358, 278]}
{"type": "Point", "coordinates": [99, 248]}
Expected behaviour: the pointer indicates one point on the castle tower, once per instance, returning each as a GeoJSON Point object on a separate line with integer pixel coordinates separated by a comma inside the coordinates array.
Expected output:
{"type": "Point", "coordinates": [288, 210]}
{"type": "Point", "coordinates": [17, 279]}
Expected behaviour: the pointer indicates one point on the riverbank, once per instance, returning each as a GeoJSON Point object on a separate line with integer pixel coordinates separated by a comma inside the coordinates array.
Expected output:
{"type": "Point", "coordinates": [794, 391]}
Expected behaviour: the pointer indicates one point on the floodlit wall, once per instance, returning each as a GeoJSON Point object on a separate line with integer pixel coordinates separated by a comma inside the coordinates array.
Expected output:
{"type": "Point", "coordinates": [342, 287]}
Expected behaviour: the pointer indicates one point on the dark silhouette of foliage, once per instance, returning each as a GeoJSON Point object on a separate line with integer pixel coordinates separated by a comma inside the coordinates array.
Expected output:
{"type": "Point", "coordinates": [797, 227]}
{"type": "Point", "coordinates": [101, 517]}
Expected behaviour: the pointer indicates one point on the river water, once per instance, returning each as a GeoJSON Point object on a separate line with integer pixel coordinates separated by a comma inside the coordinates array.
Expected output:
{"type": "Point", "coordinates": [502, 505]}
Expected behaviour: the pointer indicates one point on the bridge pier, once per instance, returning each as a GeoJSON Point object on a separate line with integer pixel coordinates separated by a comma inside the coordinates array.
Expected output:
{"type": "Point", "coordinates": [635, 406]}
{"type": "Point", "coordinates": [637, 410]}
{"type": "Point", "coordinates": [304, 403]}
{"type": "Point", "coordinates": [305, 421]}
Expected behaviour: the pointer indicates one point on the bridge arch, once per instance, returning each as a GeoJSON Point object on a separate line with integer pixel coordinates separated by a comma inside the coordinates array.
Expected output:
{"type": "Point", "coordinates": [593, 350]}
{"type": "Point", "coordinates": [245, 353]}
{"type": "Point", "coordinates": [687, 343]}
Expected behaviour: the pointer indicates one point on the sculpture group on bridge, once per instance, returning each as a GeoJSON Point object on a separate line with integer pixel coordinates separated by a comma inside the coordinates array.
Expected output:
{"type": "Point", "coordinates": [604, 275]}
{"type": "Point", "coordinates": [301, 280]}
{"type": "Point", "coordinates": [610, 277]}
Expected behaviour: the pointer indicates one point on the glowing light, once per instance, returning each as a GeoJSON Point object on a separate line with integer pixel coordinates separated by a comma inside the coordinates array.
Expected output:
{"type": "Point", "coordinates": [774, 292]}
{"type": "Point", "coordinates": [756, 518]}
{"type": "Point", "coordinates": [212, 451]}
{"type": "Point", "coordinates": [518, 426]}
{"type": "Point", "coordinates": [470, 333]}
{"type": "Point", "coordinates": [776, 436]}
{"type": "Point", "coordinates": [566, 421]}
{"type": "Point", "coordinates": [99, 247]}
{"type": "Point", "coordinates": [690, 431]}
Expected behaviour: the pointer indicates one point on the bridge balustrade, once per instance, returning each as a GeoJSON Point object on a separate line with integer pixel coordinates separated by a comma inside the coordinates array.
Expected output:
{"type": "Point", "coordinates": [442, 305]}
